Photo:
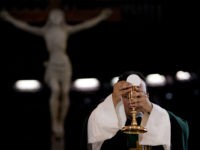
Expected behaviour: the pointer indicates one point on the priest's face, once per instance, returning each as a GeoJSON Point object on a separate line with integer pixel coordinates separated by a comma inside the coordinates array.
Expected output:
{"type": "Point", "coordinates": [133, 99]}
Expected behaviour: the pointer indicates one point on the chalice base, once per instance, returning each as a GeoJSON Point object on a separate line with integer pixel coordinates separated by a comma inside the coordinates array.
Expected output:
{"type": "Point", "coordinates": [133, 129]}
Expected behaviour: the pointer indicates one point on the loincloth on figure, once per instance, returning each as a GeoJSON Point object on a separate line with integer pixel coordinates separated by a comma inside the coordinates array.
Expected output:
{"type": "Point", "coordinates": [60, 72]}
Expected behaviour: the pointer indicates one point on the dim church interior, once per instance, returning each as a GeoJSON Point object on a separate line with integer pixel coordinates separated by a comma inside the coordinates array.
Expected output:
{"type": "Point", "coordinates": [149, 36]}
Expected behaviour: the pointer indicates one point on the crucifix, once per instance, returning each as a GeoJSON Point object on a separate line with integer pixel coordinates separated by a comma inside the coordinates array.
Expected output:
{"type": "Point", "coordinates": [58, 69]}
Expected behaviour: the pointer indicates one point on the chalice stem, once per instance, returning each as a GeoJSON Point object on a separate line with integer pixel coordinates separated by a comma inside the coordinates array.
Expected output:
{"type": "Point", "coordinates": [134, 122]}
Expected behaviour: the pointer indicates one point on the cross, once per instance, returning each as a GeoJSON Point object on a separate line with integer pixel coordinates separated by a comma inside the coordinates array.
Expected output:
{"type": "Point", "coordinates": [73, 15]}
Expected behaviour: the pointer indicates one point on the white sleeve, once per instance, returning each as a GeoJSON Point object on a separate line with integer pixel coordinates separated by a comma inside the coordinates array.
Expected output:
{"type": "Point", "coordinates": [158, 128]}
{"type": "Point", "coordinates": [104, 122]}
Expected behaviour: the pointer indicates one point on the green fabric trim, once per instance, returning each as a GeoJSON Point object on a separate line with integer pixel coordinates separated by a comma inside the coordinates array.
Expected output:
{"type": "Point", "coordinates": [185, 129]}
{"type": "Point", "coordinates": [132, 140]}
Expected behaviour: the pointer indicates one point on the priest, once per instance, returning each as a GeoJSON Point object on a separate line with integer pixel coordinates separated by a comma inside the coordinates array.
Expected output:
{"type": "Point", "coordinates": [105, 123]}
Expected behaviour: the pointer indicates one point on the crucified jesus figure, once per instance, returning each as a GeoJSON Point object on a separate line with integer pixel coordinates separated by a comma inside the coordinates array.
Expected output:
{"type": "Point", "coordinates": [58, 68]}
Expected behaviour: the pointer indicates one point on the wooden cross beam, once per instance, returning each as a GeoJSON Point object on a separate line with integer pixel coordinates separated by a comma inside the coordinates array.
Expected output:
{"type": "Point", "coordinates": [75, 15]}
{"type": "Point", "coordinates": [37, 16]}
{"type": "Point", "coordinates": [54, 4]}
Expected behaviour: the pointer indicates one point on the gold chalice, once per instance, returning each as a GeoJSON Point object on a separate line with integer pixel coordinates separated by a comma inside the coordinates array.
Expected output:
{"type": "Point", "coordinates": [133, 128]}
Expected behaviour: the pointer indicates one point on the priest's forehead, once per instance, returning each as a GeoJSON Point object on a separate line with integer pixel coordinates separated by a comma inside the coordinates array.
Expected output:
{"type": "Point", "coordinates": [134, 79]}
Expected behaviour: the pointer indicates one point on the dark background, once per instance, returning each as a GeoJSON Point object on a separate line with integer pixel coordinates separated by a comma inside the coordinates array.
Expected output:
{"type": "Point", "coordinates": [150, 36]}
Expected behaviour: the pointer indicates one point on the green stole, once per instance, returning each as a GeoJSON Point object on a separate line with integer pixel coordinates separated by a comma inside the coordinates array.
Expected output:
{"type": "Point", "coordinates": [133, 143]}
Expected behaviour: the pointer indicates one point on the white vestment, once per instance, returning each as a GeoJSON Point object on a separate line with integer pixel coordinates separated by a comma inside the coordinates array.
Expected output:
{"type": "Point", "coordinates": [106, 120]}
